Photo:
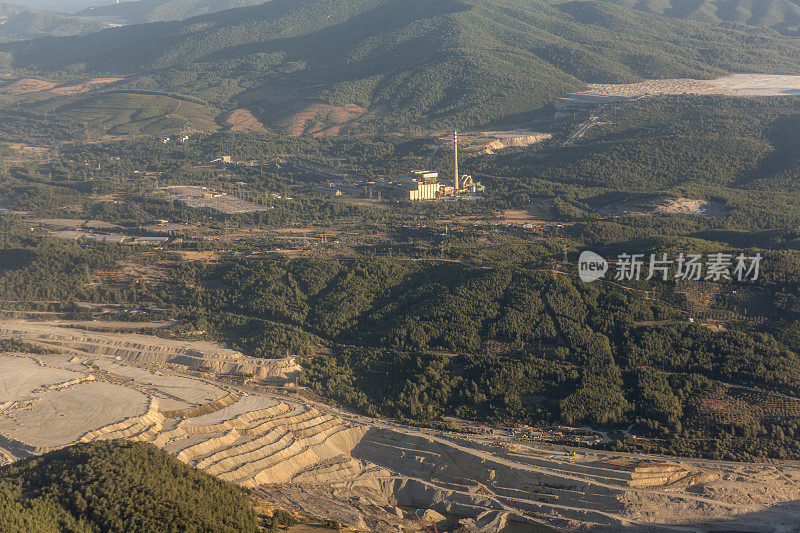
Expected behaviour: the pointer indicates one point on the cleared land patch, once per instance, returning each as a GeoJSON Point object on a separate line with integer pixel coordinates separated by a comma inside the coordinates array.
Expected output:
{"type": "Point", "coordinates": [32, 85]}
{"type": "Point", "coordinates": [733, 85]}
{"type": "Point", "coordinates": [27, 85]}
{"type": "Point", "coordinates": [61, 417]}
{"type": "Point", "coordinates": [19, 376]}
{"type": "Point", "coordinates": [666, 206]}
{"type": "Point", "coordinates": [291, 107]}
{"type": "Point", "coordinates": [84, 86]}
{"type": "Point", "coordinates": [242, 120]}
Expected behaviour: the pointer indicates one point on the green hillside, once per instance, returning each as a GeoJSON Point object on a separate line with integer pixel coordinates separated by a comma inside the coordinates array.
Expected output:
{"type": "Point", "coordinates": [164, 10]}
{"type": "Point", "coordinates": [117, 486]}
{"type": "Point", "coordinates": [675, 141]}
{"type": "Point", "coordinates": [107, 114]}
{"type": "Point", "coordinates": [780, 15]}
{"type": "Point", "coordinates": [126, 113]}
{"type": "Point", "coordinates": [412, 62]}
{"type": "Point", "coordinates": [19, 23]}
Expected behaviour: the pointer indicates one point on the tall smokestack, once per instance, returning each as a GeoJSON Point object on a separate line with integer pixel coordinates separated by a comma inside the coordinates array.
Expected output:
{"type": "Point", "coordinates": [455, 145]}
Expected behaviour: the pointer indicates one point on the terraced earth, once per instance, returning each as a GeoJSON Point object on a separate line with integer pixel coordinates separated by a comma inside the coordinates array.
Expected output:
{"type": "Point", "coordinates": [371, 474]}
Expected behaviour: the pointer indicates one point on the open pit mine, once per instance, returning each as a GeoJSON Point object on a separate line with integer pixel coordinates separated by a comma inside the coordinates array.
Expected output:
{"type": "Point", "coordinates": [373, 475]}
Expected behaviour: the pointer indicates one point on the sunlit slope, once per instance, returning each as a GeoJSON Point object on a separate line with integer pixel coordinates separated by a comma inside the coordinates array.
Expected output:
{"type": "Point", "coordinates": [111, 113]}
{"type": "Point", "coordinates": [123, 113]}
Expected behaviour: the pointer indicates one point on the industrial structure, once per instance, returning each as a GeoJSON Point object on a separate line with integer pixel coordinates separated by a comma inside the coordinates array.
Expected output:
{"type": "Point", "coordinates": [424, 184]}
{"type": "Point", "coordinates": [455, 152]}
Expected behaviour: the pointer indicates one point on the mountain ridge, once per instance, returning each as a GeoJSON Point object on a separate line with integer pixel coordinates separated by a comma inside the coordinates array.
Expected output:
{"type": "Point", "coordinates": [427, 64]}
{"type": "Point", "coordinates": [18, 23]}
{"type": "Point", "coordinates": [141, 11]}
{"type": "Point", "coordinates": [780, 15]}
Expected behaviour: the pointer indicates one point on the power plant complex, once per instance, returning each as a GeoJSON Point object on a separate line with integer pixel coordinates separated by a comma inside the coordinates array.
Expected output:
{"type": "Point", "coordinates": [425, 185]}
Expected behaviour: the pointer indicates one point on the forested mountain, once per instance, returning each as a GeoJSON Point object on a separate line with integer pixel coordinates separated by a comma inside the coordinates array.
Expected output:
{"type": "Point", "coordinates": [163, 10]}
{"type": "Point", "coordinates": [534, 346]}
{"type": "Point", "coordinates": [19, 23]}
{"type": "Point", "coordinates": [410, 63]}
{"type": "Point", "coordinates": [780, 15]}
{"type": "Point", "coordinates": [117, 486]}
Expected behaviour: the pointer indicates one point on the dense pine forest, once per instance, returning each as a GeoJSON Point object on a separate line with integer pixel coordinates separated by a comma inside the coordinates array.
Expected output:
{"type": "Point", "coordinates": [512, 342]}
{"type": "Point", "coordinates": [118, 486]}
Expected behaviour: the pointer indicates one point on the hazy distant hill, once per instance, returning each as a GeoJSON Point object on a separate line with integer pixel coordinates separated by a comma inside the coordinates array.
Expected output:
{"type": "Point", "coordinates": [68, 6]}
{"type": "Point", "coordinates": [780, 15]}
{"type": "Point", "coordinates": [409, 63]}
{"type": "Point", "coordinates": [19, 23]}
{"type": "Point", "coordinates": [164, 10]}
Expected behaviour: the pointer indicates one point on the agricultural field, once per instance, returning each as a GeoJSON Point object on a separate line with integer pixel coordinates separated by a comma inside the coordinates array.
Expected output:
{"type": "Point", "coordinates": [94, 110]}
{"type": "Point", "coordinates": [730, 404]}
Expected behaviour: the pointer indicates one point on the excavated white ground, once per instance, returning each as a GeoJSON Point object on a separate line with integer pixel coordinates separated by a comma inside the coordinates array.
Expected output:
{"type": "Point", "coordinates": [732, 85]}
{"type": "Point", "coordinates": [361, 471]}
{"type": "Point", "coordinates": [246, 405]}
{"type": "Point", "coordinates": [177, 392]}
{"type": "Point", "coordinates": [148, 350]}
{"type": "Point", "coordinates": [20, 377]}
{"type": "Point", "coordinates": [57, 418]}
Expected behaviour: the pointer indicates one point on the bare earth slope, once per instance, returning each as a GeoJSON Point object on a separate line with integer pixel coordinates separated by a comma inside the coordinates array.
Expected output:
{"type": "Point", "coordinates": [369, 473]}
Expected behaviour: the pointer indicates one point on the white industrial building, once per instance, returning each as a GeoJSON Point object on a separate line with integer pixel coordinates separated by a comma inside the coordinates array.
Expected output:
{"type": "Point", "coordinates": [424, 184]}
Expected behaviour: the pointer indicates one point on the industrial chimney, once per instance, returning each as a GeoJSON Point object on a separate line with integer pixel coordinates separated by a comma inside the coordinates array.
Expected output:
{"type": "Point", "coordinates": [455, 145]}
